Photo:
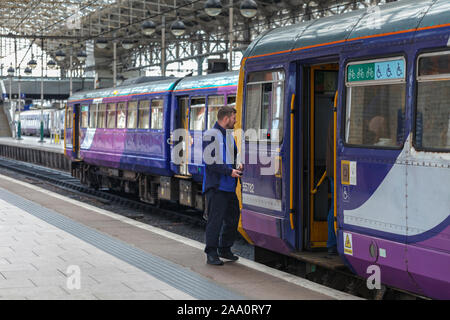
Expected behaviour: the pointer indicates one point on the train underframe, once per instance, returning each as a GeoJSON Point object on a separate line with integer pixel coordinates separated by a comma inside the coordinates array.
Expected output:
{"type": "Point", "coordinates": [149, 188]}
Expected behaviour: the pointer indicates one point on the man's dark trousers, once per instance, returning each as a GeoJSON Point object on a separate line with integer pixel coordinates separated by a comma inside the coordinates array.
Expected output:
{"type": "Point", "coordinates": [223, 219]}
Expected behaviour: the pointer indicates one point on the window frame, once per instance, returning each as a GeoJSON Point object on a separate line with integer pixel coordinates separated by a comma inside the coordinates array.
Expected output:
{"type": "Point", "coordinates": [283, 120]}
{"type": "Point", "coordinates": [90, 115]}
{"type": "Point", "coordinates": [190, 111]}
{"type": "Point", "coordinates": [149, 100]}
{"type": "Point", "coordinates": [137, 115]}
{"type": "Point", "coordinates": [417, 79]}
{"type": "Point", "coordinates": [343, 131]}
{"type": "Point", "coordinates": [151, 113]}
{"type": "Point", "coordinates": [207, 107]}
{"type": "Point", "coordinates": [117, 114]}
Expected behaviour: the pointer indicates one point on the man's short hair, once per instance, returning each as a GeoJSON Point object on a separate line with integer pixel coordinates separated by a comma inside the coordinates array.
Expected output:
{"type": "Point", "coordinates": [225, 112]}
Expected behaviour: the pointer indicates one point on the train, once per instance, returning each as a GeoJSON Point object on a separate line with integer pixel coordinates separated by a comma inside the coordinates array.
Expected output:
{"type": "Point", "coordinates": [30, 121]}
{"type": "Point", "coordinates": [379, 78]}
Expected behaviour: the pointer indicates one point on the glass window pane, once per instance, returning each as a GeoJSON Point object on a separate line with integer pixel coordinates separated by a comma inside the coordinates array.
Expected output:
{"type": "Point", "coordinates": [253, 107]}
{"type": "Point", "coordinates": [197, 116]}
{"type": "Point", "coordinates": [269, 76]}
{"type": "Point", "coordinates": [132, 115]}
{"type": "Point", "coordinates": [93, 116]}
{"type": "Point", "coordinates": [69, 118]}
{"type": "Point", "coordinates": [276, 128]}
{"type": "Point", "coordinates": [121, 115]}
{"type": "Point", "coordinates": [375, 115]}
{"type": "Point", "coordinates": [433, 115]}
{"type": "Point", "coordinates": [111, 116]}
{"type": "Point", "coordinates": [231, 101]}
{"type": "Point", "coordinates": [434, 65]}
{"type": "Point", "coordinates": [84, 116]}
{"type": "Point", "coordinates": [144, 114]}
{"type": "Point", "coordinates": [214, 104]}
{"type": "Point", "coordinates": [157, 114]}
{"type": "Point", "coordinates": [101, 116]}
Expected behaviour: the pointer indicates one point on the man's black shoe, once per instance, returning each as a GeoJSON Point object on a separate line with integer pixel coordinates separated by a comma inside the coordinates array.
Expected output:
{"type": "Point", "coordinates": [214, 260]}
{"type": "Point", "coordinates": [228, 256]}
{"type": "Point", "coordinates": [332, 251]}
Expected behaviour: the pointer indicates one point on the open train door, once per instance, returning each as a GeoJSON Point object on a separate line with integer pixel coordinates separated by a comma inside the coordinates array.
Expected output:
{"type": "Point", "coordinates": [182, 123]}
{"type": "Point", "coordinates": [319, 92]}
{"type": "Point", "coordinates": [76, 131]}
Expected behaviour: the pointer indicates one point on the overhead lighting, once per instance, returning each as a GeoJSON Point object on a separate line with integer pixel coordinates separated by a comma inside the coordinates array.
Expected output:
{"type": "Point", "coordinates": [127, 44]}
{"type": "Point", "coordinates": [213, 7]}
{"type": "Point", "coordinates": [248, 8]}
{"type": "Point", "coordinates": [148, 27]}
{"type": "Point", "coordinates": [51, 64]}
{"type": "Point", "coordinates": [32, 63]}
{"type": "Point", "coordinates": [82, 56]}
{"type": "Point", "coordinates": [178, 28]}
{"type": "Point", "coordinates": [101, 43]}
{"type": "Point", "coordinates": [60, 55]}
{"type": "Point", "coordinates": [28, 70]}
{"type": "Point", "coordinates": [11, 71]}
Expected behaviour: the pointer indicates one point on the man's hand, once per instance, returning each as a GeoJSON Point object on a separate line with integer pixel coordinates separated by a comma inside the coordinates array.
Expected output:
{"type": "Point", "coordinates": [236, 173]}
{"type": "Point", "coordinates": [241, 167]}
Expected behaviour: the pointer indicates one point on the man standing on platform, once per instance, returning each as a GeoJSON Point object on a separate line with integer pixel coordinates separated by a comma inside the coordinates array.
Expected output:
{"type": "Point", "coordinates": [219, 186]}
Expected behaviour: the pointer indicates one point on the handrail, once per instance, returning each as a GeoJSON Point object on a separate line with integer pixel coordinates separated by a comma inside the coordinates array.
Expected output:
{"type": "Point", "coordinates": [314, 191]}
{"type": "Point", "coordinates": [291, 169]}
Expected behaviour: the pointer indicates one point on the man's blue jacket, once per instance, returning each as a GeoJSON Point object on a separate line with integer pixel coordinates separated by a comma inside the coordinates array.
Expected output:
{"type": "Point", "coordinates": [218, 174]}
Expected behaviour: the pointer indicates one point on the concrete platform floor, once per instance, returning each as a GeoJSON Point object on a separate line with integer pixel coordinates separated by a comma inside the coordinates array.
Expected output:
{"type": "Point", "coordinates": [35, 258]}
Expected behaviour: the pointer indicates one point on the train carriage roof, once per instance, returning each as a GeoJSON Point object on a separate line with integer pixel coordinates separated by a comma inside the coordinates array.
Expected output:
{"type": "Point", "coordinates": [221, 79]}
{"type": "Point", "coordinates": [388, 18]}
{"type": "Point", "coordinates": [148, 87]}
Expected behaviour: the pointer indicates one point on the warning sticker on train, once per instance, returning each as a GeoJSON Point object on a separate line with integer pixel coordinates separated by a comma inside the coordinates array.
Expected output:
{"type": "Point", "coordinates": [348, 244]}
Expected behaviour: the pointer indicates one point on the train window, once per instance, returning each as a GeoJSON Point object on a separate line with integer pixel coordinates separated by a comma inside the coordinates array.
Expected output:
{"type": "Point", "coordinates": [157, 114]}
{"type": "Point", "coordinates": [84, 116]}
{"type": "Point", "coordinates": [433, 102]}
{"type": "Point", "coordinates": [231, 101]}
{"type": "Point", "coordinates": [264, 105]}
{"type": "Point", "coordinates": [132, 115]}
{"type": "Point", "coordinates": [69, 118]}
{"type": "Point", "coordinates": [197, 116]}
{"type": "Point", "coordinates": [93, 116]}
{"type": "Point", "coordinates": [375, 107]}
{"type": "Point", "coordinates": [101, 115]}
{"type": "Point", "coordinates": [111, 116]}
{"type": "Point", "coordinates": [214, 104]}
{"type": "Point", "coordinates": [144, 114]}
{"type": "Point", "coordinates": [121, 115]}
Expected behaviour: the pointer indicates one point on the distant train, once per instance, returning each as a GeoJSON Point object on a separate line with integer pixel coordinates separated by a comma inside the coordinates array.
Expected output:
{"type": "Point", "coordinates": [53, 119]}
{"type": "Point", "coordinates": [380, 76]}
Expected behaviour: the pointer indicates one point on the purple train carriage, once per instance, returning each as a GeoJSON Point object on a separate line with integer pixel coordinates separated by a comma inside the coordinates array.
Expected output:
{"type": "Point", "coordinates": [121, 138]}
{"type": "Point", "coordinates": [382, 77]}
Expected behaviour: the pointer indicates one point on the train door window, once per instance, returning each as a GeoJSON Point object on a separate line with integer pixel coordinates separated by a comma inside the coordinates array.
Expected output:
{"type": "Point", "coordinates": [101, 115]}
{"type": "Point", "coordinates": [144, 114]}
{"type": "Point", "coordinates": [197, 116]}
{"type": "Point", "coordinates": [265, 104]}
{"type": "Point", "coordinates": [93, 115]}
{"type": "Point", "coordinates": [111, 116]}
{"type": "Point", "coordinates": [121, 115]}
{"type": "Point", "coordinates": [157, 114]}
{"type": "Point", "coordinates": [375, 107]}
{"type": "Point", "coordinates": [214, 104]}
{"type": "Point", "coordinates": [84, 116]}
{"type": "Point", "coordinates": [132, 115]}
{"type": "Point", "coordinates": [433, 102]}
{"type": "Point", "coordinates": [69, 117]}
